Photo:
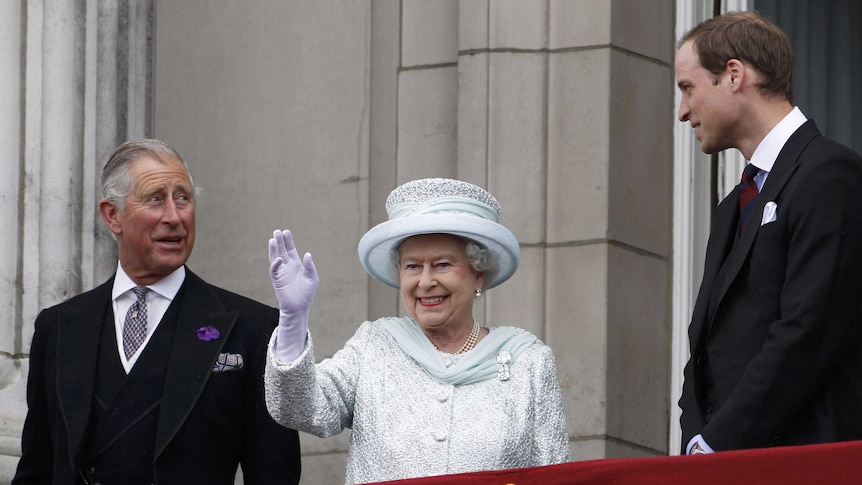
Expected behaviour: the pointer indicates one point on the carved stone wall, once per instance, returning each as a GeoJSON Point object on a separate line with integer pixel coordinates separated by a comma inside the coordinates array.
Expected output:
{"type": "Point", "coordinates": [304, 115]}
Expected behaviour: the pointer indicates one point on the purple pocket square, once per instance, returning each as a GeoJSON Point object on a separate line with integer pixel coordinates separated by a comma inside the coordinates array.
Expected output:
{"type": "Point", "coordinates": [228, 362]}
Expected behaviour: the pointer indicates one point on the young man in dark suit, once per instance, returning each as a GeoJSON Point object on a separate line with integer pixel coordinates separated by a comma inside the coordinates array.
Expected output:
{"type": "Point", "coordinates": [155, 376]}
{"type": "Point", "coordinates": [776, 334]}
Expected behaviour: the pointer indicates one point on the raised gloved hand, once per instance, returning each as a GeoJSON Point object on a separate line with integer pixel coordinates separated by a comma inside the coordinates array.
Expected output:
{"type": "Point", "coordinates": [295, 284]}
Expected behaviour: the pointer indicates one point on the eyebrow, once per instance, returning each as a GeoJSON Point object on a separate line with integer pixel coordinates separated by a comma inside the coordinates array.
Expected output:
{"type": "Point", "coordinates": [434, 257]}
{"type": "Point", "coordinates": [683, 84]}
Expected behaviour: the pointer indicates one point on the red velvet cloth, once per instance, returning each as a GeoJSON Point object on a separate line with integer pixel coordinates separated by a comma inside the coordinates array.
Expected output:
{"type": "Point", "coordinates": [833, 463]}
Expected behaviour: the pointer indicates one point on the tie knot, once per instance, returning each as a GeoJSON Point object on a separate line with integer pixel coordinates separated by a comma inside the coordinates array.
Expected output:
{"type": "Point", "coordinates": [140, 291]}
{"type": "Point", "coordinates": [749, 172]}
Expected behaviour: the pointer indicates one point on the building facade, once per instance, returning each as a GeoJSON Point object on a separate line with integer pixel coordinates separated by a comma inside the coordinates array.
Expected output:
{"type": "Point", "coordinates": [303, 115]}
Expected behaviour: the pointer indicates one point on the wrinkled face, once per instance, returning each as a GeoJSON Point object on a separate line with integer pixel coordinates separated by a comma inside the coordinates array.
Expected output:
{"type": "Point", "coordinates": [156, 233]}
{"type": "Point", "coordinates": [437, 282]}
{"type": "Point", "coordinates": [706, 102]}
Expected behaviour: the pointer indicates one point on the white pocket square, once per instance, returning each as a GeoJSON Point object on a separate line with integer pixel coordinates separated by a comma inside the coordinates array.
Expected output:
{"type": "Point", "coordinates": [770, 213]}
{"type": "Point", "coordinates": [228, 362]}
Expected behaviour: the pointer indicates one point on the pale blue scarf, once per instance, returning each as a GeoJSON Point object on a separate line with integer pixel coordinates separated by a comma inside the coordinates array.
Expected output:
{"type": "Point", "coordinates": [477, 365]}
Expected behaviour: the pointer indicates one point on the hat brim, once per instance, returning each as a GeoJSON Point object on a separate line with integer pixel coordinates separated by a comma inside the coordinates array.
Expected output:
{"type": "Point", "coordinates": [377, 245]}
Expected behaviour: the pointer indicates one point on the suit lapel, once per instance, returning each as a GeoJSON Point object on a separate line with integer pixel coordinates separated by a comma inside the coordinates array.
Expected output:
{"type": "Point", "coordinates": [78, 337]}
{"type": "Point", "coordinates": [785, 166]}
{"type": "Point", "coordinates": [191, 359]}
{"type": "Point", "coordinates": [721, 240]}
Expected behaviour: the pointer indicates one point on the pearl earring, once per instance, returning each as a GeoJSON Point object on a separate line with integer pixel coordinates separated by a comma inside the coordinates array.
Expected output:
{"type": "Point", "coordinates": [478, 293]}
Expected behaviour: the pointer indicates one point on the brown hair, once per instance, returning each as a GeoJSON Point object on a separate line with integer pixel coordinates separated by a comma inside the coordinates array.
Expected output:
{"type": "Point", "coordinates": [750, 38]}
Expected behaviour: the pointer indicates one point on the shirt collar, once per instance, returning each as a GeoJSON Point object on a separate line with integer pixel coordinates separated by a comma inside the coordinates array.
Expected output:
{"type": "Point", "coordinates": [766, 153]}
{"type": "Point", "coordinates": [166, 287]}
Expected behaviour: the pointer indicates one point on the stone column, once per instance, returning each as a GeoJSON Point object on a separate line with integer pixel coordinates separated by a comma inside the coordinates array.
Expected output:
{"type": "Point", "coordinates": [11, 193]}
{"type": "Point", "coordinates": [62, 110]}
{"type": "Point", "coordinates": [563, 115]}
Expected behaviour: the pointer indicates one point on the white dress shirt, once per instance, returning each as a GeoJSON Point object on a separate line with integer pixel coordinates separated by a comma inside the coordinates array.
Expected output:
{"type": "Point", "coordinates": [158, 298]}
{"type": "Point", "coordinates": [767, 151]}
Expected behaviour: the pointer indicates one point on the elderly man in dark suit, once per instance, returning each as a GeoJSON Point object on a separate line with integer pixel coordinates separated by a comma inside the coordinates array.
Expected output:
{"type": "Point", "coordinates": [776, 334]}
{"type": "Point", "coordinates": [155, 376]}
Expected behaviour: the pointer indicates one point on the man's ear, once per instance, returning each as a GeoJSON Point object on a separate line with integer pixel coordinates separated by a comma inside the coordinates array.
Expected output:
{"type": "Point", "coordinates": [111, 216]}
{"type": "Point", "coordinates": [736, 72]}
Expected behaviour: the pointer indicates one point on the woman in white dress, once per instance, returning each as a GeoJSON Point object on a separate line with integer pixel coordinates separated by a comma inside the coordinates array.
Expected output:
{"type": "Point", "coordinates": [434, 392]}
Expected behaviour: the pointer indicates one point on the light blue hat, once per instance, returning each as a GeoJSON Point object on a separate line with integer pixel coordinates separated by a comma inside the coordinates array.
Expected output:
{"type": "Point", "coordinates": [440, 206]}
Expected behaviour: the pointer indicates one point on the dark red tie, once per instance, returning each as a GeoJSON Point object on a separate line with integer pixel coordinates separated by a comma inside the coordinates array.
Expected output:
{"type": "Point", "coordinates": [747, 195]}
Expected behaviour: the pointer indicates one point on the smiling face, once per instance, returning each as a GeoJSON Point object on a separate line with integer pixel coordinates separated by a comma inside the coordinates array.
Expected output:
{"type": "Point", "coordinates": [706, 102]}
{"type": "Point", "coordinates": [437, 282]}
{"type": "Point", "coordinates": [156, 231]}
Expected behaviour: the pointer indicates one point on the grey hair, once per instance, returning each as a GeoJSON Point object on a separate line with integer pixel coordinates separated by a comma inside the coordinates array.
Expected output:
{"type": "Point", "coordinates": [480, 259]}
{"type": "Point", "coordinates": [117, 173]}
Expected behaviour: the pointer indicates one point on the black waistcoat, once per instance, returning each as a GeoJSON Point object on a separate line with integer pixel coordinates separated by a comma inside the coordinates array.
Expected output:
{"type": "Point", "coordinates": [125, 407]}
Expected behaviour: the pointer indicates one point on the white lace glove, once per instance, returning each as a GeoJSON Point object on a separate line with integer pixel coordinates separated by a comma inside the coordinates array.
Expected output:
{"type": "Point", "coordinates": [295, 284]}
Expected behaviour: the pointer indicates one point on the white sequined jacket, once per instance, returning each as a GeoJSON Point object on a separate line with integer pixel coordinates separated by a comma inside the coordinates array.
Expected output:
{"type": "Point", "coordinates": [406, 424]}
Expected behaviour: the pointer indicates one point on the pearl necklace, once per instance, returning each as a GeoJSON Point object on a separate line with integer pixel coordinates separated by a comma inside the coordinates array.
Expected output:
{"type": "Point", "coordinates": [471, 340]}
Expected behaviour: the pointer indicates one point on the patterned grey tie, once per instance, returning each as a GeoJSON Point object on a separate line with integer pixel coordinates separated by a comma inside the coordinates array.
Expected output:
{"type": "Point", "coordinates": [135, 327]}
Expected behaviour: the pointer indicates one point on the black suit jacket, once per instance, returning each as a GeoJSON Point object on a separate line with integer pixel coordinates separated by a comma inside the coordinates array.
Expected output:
{"type": "Point", "coordinates": [208, 423]}
{"type": "Point", "coordinates": [775, 334]}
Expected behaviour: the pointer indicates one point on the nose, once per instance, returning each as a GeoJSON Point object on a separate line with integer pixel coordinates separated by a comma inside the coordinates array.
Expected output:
{"type": "Point", "coordinates": [426, 279]}
{"type": "Point", "coordinates": [171, 214]}
{"type": "Point", "coordinates": [684, 111]}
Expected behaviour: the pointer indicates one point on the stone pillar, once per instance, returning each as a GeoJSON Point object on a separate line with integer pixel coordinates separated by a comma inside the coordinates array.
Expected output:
{"type": "Point", "coordinates": [563, 115]}
{"type": "Point", "coordinates": [502, 138]}
{"type": "Point", "coordinates": [427, 90]}
{"type": "Point", "coordinates": [11, 193]}
{"type": "Point", "coordinates": [61, 113]}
